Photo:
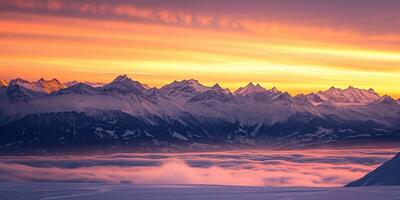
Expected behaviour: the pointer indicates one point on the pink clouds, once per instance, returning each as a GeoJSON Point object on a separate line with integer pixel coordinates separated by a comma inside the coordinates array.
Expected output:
{"type": "Point", "coordinates": [317, 168]}
{"type": "Point", "coordinates": [167, 16]}
{"type": "Point", "coordinates": [125, 10]}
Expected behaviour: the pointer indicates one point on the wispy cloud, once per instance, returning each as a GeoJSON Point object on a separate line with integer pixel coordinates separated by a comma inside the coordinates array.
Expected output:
{"type": "Point", "coordinates": [181, 17]}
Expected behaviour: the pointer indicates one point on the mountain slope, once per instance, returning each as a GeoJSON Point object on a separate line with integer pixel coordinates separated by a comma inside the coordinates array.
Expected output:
{"type": "Point", "coordinates": [108, 129]}
{"type": "Point", "coordinates": [388, 174]}
{"type": "Point", "coordinates": [3, 83]}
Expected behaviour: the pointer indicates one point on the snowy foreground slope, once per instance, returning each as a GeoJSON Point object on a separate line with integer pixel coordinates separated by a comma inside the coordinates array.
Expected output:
{"type": "Point", "coordinates": [77, 191]}
{"type": "Point", "coordinates": [386, 174]}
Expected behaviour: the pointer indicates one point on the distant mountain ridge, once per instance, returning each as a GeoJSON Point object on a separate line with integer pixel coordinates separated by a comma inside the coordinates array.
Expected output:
{"type": "Point", "coordinates": [337, 95]}
{"type": "Point", "coordinates": [186, 113]}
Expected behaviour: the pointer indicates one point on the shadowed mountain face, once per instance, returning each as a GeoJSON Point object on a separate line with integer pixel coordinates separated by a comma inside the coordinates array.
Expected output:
{"type": "Point", "coordinates": [127, 113]}
{"type": "Point", "coordinates": [388, 174]}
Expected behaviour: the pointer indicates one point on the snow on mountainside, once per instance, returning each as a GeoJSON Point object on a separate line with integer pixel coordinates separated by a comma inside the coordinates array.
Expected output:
{"type": "Point", "coordinates": [185, 88]}
{"type": "Point", "coordinates": [45, 86]}
{"type": "Point", "coordinates": [349, 95]}
{"type": "Point", "coordinates": [72, 83]}
{"type": "Point", "coordinates": [388, 174]}
{"type": "Point", "coordinates": [17, 93]}
{"type": "Point", "coordinates": [122, 94]}
{"type": "Point", "coordinates": [183, 91]}
{"type": "Point", "coordinates": [123, 84]}
{"type": "Point", "coordinates": [79, 88]}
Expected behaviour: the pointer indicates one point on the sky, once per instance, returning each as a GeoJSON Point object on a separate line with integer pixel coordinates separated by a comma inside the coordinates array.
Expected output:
{"type": "Point", "coordinates": [299, 46]}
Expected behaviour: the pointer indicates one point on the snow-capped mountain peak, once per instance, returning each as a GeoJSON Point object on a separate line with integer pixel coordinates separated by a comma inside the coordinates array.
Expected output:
{"type": "Point", "coordinates": [348, 95]}
{"type": "Point", "coordinates": [217, 87]}
{"type": "Point", "coordinates": [250, 89]}
{"type": "Point", "coordinates": [123, 84]}
{"type": "Point", "coordinates": [42, 85]}
{"type": "Point", "coordinates": [18, 81]}
{"type": "Point", "coordinates": [183, 88]}
{"type": "Point", "coordinates": [196, 85]}
{"type": "Point", "coordinates": [49, 86]}
{"type": "Point", "coordinates": [121, 78]}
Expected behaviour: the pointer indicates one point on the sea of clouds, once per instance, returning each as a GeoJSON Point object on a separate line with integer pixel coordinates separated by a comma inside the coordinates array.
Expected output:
{"type": "Point", "coordinates": [315, 168]}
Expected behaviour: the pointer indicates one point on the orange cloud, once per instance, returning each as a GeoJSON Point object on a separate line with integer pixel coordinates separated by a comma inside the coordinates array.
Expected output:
{"type": "Point", "coordinates": [265, 28]}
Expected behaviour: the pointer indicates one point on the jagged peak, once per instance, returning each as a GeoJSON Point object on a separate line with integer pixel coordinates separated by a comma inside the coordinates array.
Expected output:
{"type": "Point", "coordinates": [274, 89]}
{"type": "Point", "coordinates": [216, 86]}
{"type": "Point", "coordinates": [186, 81]}
{"type": "Point", "coordinates": [386, 98]}
{"type": "Point", "coordinates": [44, 81]}
{"type": "Point", "coordinates": [124, 79]}
{"type": "Point", "coordinates": [42, 85]}
{"type": "Point", "coordinates": [18, 80]}
{"type": "Point", "coordinates": [349, 88]}
{"type": "Point", "coordinates": [121, 78]}
{"type": "Point", "coordinates": [250, 88]}
{"type": "Point", "coordinates": [333, 89]}
{"type": "Point", "coordinates": [192, 83]}
{"type": "Point", "coordinates": [124, 84]}
{"type": "Point", "coordinates": [349, 95]}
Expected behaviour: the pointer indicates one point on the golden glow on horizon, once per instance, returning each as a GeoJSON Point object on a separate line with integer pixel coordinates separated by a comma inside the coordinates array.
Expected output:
{"type": "Point", "coordinates": [97, 50]}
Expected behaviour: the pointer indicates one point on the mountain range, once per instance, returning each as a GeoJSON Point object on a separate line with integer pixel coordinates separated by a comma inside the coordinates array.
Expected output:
{"type": "Point", "coordinates": [125, 113]}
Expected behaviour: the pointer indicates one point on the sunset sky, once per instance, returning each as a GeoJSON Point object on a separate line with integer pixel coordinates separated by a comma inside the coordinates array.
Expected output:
{"type": "Point", "coordinates": [298, 46]}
